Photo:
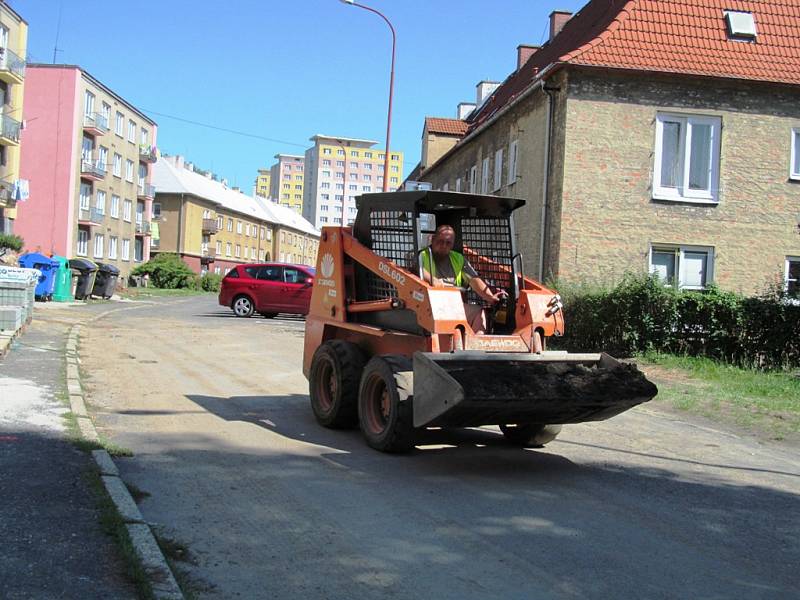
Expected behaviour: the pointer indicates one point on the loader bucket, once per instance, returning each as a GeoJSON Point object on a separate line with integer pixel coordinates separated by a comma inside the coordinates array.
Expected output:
{"type": "Point", "coordinates": [468, 389]}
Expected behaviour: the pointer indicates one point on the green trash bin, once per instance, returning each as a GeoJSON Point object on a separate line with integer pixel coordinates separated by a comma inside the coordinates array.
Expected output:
{"type": "Point", "coordinates": [62, 292]}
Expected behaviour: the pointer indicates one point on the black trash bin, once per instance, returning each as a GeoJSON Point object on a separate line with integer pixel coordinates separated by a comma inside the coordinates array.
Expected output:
{"type": "Point", "coordinates": [87, 271]}
{"type": "Point", "coordinates": [105, 282]}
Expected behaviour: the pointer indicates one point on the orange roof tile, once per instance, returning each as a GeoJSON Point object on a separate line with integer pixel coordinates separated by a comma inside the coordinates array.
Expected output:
{"type": "Point", "coordinates": [446, 126]}
{"type": "Point", "coordinates": [686, 37]}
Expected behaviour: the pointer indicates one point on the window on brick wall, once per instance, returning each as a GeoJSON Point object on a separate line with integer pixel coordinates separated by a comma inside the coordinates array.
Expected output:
{"type": "Point", "coordinates": [498, 170]}
{"type": "Point", "coordinates": [473, 179]}
{"type": "Point", "coordinates": [795, 154]}
{"type": "Point", "coordinates": [513, 157]}
{"type": "Point", "coordinates": [683, 267]}
{"type": "Point", "coordinates": [792, 277]}
{"type": "Point", "coordinates": [485, 176]}
{"type": "Point", "coordinates": [687, 154]}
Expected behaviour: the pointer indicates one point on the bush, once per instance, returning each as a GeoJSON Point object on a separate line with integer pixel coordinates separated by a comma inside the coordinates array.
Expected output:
{"type": "Point", "coordinates": [210, 282]}
{"type": "Point", "coordinates": [640, 314]}
{"type": "Point", "coordinates": [11, 242]}
{"type": "Point", "coordinates": [168, 271]}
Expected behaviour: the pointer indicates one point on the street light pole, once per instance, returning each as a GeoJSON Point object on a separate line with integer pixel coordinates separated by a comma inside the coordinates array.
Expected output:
{"type": "Point", "coordinates": [391, 90]}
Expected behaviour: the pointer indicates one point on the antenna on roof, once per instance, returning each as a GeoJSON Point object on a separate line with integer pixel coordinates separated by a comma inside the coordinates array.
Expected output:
{"type": "Point", "coordinates": [56, 49]}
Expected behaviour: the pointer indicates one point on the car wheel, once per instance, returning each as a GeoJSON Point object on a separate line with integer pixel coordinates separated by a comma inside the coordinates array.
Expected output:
{"type": "Point", "coordinates": [333, 383]}
{"type": "Point", "coordinates": [530, 434]}
{"type": "Point", "coordinates": [385, 404]}
{"type": "Point", "coordinates": [243, 306]}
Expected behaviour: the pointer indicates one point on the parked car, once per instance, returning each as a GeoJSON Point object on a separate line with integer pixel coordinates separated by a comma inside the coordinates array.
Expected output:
{"type": "Point", "coordinates": [268, 289]}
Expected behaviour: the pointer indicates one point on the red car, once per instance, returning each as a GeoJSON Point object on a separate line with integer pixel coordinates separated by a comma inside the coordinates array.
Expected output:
{"type": "Point", "coordinates": [268, 289]}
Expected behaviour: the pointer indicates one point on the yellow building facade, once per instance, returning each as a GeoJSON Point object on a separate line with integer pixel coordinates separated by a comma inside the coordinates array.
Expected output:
{"type": "Point", "coordinates": [262, 183]}
{"type": "Point", "coordinates": [13, 50]}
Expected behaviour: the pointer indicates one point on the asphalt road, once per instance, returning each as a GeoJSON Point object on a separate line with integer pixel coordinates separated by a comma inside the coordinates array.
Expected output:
{"type": "Point", "coordinates": [646, 505]}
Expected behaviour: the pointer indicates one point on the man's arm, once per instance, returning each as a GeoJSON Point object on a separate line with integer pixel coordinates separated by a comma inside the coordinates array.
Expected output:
{"type": "Point", "coordinates": [480, 287]}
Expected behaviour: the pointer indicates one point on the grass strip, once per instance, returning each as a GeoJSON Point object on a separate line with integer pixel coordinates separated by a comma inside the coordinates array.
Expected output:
{"type": "Point", "coordinates": [768, 402]}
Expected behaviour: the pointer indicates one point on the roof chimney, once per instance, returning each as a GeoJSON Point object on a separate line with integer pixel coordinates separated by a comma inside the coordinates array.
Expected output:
{"type": "Point", "coordinates": [524, 52]}
{"type": "Point", "coordinates": [485, 89]}
{"type": "Point", "coordinates": [558, 18]}
{"type": "Point", "coordinates": [178, 162]}
{"type": "Point", "coordinates": [463, 109]}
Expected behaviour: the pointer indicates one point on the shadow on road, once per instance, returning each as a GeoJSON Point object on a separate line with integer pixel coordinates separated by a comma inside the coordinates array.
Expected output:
{"type": "Point", "coordinates": [607, 527]}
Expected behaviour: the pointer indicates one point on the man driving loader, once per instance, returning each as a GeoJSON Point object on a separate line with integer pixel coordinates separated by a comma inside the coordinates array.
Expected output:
{"type": "Point", "coordinates": [443, 266]}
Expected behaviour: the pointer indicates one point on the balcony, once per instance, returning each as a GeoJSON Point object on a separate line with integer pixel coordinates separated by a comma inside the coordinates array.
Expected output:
{"type": "Point", "coordinates": [148, 154]}
{"type": "Point", "coordinates": [6, 193]}
{"type": "Point", "coordinates": [12, 67]}
{"type": "Point", "coordinates": [155, 243]}
{"type": "Point", "coordinates": [90, 216]}
{"type": "Point", "coordinates": [146, 191]}
{"type": "Point", "coordinates": [95, 124]}
{"type": "Point", "coordinates": [142, 227]}
{"type": "Point", "coordinates": [92, 170]}
{"type": "Point", "coordinates": [208, 256]}
{"type": "Point", "coordinates": [9, 131]}
{"type": "Point", "coordinates": [210, 226]}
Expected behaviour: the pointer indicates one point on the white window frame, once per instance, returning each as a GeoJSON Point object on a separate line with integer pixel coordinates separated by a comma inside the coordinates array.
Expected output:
{"type": "Point", "coordinates": [681, 250]}
{"type": "Point", "coordinates": [786, 280]}
{"type": "Point", "coordinates": [99, 245]}
{"type": "Point", "coordinates": [85, 200]}
{"type": "Point", "coordinates": [102, 158]}
{"type": "Point", "coordinates": [82, 244]}
{"type": "Point", "coordinates": [129, 170]}
{"type": "Point", "coordinates": [239, 227]}
{"type": "Point", "coordinates": [88, 105]}
{"type": "Point", "coordinates": [119, 123]}
{"type": "Point", "coordinates": [100, 201]}
{"type": "Point", "coordinates": [116, 169]}
{"type": "Point", "coordinates": [115, 206]}
{"type": "Point", "coordinates": [127, 209]}
{"type": "Point", "coordinates": [485, 176]}
{"type": "Point", "coordinates": [683, 193]}
{"type": "Point", "coordinates": [131, 131]}
{"type": "Point", "coordinates": [458, 184]}
{"type": "Point", "coordinates": [794, 173]}
{"type": "Point", "coordinates": [126, 249]}
{"type": "Point", "coordinates": [112, 246]}
{"type": "Point", "coordinates": [498, 170]}
{"type": "Point", "coordinates": [473, 179]}
{"type": "Point", "coordinates": [513, 160]}
{"type": "Point", "coordinates": [144, 136]}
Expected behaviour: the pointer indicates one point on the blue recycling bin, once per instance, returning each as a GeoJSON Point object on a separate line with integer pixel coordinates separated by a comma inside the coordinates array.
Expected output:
{"type": "Point", "coordinates": [48, 268]}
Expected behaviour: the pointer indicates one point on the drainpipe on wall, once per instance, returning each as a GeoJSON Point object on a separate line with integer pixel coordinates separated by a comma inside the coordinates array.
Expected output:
{"type": "Point", "coordinates": [180, 225]}
{"type": "Point", "coordinates": [546, 174]}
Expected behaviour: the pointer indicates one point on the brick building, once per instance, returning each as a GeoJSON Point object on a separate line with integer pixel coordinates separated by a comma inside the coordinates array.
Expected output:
{"type": "Point", "coordinates": [645, 135]}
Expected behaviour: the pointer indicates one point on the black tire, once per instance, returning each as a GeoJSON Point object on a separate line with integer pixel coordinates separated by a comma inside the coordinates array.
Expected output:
{"type": "Point", "coordinates": [530, 434]}
{"type": "Point", "coordinates": [333, 383]}
{"type": "Point", "coordinates": [243, 306]}
{"type": "Point", "coordinates": [269, 315]}
{"type": "Point", "coordinates": [385, 404]}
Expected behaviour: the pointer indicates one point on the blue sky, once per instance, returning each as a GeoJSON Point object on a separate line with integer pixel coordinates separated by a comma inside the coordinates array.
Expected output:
{"type": "Point", "coordinates": [285, 70]}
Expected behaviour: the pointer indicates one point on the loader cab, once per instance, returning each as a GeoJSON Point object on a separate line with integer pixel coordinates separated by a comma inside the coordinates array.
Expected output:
{"type": "Point", "coordinates": [399, 225]}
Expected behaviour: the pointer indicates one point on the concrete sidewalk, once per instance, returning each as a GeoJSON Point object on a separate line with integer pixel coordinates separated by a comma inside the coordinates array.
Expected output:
{"type": "Point", "coordinates": [53, 544]}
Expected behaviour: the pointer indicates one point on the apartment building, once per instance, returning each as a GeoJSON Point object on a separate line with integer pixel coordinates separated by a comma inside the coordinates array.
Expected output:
{"type": "Point", "coordinates": [213, 227]}
{"type": "Point", "coordinates": [88, 157]}
{"type": "Point", "coordinates": [286, 181]}
{"type": "Point", "coordinates": [337, 170]}
{"type": "Point", "coordinates": [262, 184]}
{"type": "Point", "coordinates": [646, 136]}
{"type": "Point", "coordinates": [13, 49]}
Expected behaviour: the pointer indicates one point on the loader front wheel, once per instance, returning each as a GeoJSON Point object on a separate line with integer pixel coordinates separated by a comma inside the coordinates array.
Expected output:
{"type": "Point", "coordinates": [385, 400]}
{"type": "Point", "coordinates": [530, 434]}
{"type": "Point", "coordinates": [333, 383]}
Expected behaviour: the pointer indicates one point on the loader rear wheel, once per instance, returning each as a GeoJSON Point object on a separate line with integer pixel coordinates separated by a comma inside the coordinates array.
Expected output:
{"type": "Point", "coordinates": [530, 434]}
{"type": "Point", "coordinates": [385, 401]}
{"type": "Point", "coordinates": [333, 383]}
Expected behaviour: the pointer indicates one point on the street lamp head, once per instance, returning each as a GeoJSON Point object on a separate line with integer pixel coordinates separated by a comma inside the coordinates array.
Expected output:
{"type": "Point", "coordinates": [347, 1]}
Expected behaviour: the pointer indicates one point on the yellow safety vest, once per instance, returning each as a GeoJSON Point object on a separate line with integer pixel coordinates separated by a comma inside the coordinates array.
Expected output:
{"type": "Point", "coordinates": [456, 259]}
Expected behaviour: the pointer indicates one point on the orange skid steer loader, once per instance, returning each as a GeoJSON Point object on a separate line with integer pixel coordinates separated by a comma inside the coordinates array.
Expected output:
{"type": "Point", "coordinates": [388, 351]}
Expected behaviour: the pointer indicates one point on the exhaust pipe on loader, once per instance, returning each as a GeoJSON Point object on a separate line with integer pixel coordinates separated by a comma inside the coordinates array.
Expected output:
{"type": "Point", "coordinates": [469, 389]}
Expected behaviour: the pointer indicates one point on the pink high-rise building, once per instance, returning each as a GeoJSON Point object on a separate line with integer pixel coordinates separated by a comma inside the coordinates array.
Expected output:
{"type": "Point", "coordinates": [87, 155]}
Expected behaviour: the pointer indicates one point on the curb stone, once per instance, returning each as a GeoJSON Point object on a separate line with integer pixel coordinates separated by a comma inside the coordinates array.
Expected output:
{"type": "Point", "coordinates": [159, 575]}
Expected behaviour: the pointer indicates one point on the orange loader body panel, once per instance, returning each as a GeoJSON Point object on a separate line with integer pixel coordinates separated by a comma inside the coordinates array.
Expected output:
{"type": "Point", "coordinates": [439, 311]}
